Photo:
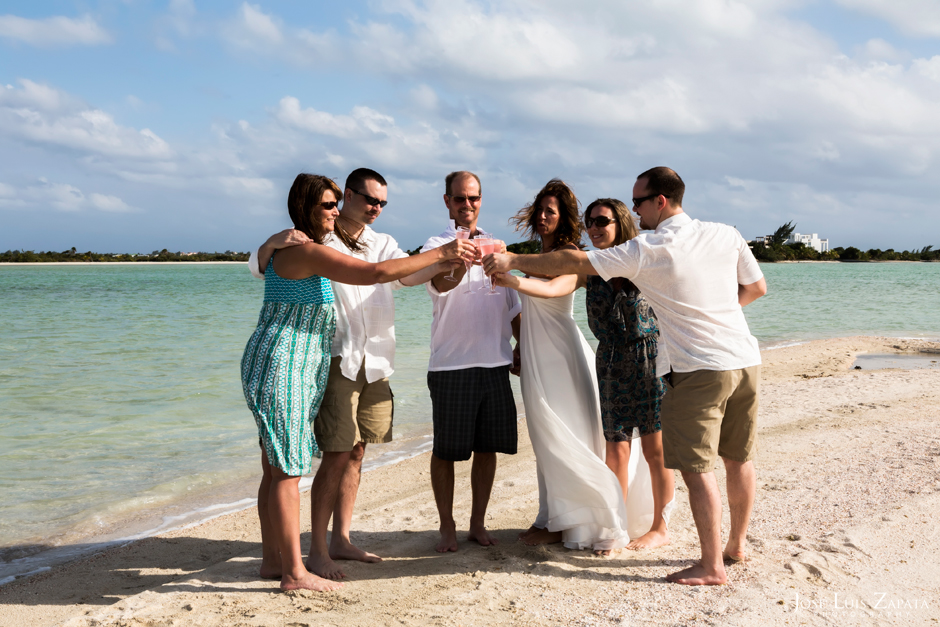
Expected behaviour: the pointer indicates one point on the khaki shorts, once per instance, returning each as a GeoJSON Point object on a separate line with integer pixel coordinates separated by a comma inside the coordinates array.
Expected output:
{"type": "Point", "coordinates": [706, 414]}
{"type": "Point", "coordinates": [353, 411]}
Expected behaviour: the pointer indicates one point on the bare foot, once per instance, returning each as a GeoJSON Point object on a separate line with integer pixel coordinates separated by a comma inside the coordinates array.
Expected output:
{"type": "Point", "coordinates": [650, 540]}
{"type": "Point", "coordinates": [349, 551]}
{"type": "Point", "coordinates": [734, 554]}
{"type": "Point", "coordinates": [698, 576]}
{"type": "Point", "coordinates": [607, 552]}
{"type": "Point", "coordinates": [529, 531]}
{"type": "Point", "coordinates": [448, 541]}
{"type": "Point", "coordinates": [542, 536]}
{"type": "Point", "coordinates": [270, 569]}
{"type": "Point", "coordinates": [309, 582]}
{"type": "Point", "coordinates": [481, 536]}
{"type": "Point", "coordinates": [324, 567]}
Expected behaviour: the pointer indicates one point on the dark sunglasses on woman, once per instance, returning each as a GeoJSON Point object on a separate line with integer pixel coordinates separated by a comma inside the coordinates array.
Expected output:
{"type": "Point", "coordinates": [601, 221]}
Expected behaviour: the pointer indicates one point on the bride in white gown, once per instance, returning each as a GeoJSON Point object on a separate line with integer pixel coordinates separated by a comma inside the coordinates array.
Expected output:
{"type": "Point", "coordinates": [580, 499]}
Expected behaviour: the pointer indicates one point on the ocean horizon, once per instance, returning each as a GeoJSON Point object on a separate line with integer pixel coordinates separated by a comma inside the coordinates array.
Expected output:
{"type": "Point", "coordinates": [123, 412]}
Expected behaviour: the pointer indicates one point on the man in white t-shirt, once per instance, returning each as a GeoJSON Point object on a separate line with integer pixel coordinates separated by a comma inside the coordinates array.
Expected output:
{"type": "Point", "coordinates": [357, 405]}
{"type": "Point", "coordinates": [697, 276]}
{"type": "Point", "coordinates": [474, 411]}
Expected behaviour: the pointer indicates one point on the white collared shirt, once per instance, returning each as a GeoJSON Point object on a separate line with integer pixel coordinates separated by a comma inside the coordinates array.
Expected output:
{"type": "Point", "coordinates": [470, 330]}
{"type": "Point", "coordinates": [365, 314]}
{"type": "Point", "coordinates": [689, 271]}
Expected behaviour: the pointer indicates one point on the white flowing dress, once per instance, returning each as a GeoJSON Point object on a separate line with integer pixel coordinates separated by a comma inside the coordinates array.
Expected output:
{"type": "Point", "coordinates": [578, 494]}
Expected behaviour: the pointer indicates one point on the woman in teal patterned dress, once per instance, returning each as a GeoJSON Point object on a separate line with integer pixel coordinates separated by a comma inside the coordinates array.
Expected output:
{"type": "Point", "coordinates": [286, 363]}
{"type": "Point", "coordinates": [630, 392]}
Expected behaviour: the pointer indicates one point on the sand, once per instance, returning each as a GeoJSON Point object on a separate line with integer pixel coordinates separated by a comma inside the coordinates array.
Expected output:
{"type": "Point", "coordinates": [844, 532]}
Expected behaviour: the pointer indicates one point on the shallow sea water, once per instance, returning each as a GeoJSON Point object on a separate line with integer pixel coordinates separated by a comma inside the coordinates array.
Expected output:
{"type": "Point", "coordinates": [121, 408]}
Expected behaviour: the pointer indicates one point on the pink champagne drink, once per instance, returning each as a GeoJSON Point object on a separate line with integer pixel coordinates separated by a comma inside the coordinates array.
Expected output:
{"type": "Point", "coordinates": [487, 247]}
{"type": "Point", "coordinates": [462, 233]}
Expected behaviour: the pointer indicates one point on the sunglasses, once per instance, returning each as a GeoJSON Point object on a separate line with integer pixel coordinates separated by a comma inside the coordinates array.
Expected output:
{"type": "Point", "coordinates": [329, 205]}
{"type": "Point", "coordinates": [462, 199]}
{"type": "Point", "coordinates": [601, 221]}
{"type": "Point", "coordinates": [639, 201]}
{"type": "Point", "coordinates": [372, 202]}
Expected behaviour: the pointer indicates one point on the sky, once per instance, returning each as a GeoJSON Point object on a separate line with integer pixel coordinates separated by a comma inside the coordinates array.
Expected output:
{"type": "Point", "coordinates": [135, 125]}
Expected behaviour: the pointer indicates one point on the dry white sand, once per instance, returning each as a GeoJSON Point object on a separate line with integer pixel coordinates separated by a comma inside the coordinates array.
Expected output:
{"type": "Point", "coordinates": [844, 532]}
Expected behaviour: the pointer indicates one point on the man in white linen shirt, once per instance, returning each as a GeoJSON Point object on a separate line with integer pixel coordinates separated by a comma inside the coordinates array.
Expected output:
{"type": "Point", "coordinates": [474, 411]}
{"type": "Point", "coordinates": [357, 405]}
{"type": "Point", "coordinates": [697, 276]}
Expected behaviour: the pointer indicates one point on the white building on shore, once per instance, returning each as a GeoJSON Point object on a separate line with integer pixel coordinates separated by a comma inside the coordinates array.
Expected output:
{"type": "Point", "coordinates": [812, 241]}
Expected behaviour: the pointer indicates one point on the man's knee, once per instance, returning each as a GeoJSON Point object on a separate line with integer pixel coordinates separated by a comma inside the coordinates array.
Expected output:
{"type": "Point", "coordinates": [357, 452]}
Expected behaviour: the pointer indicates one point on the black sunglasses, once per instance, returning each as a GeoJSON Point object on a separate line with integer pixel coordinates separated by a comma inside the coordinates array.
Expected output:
{"type": "Point", "coordinates": [639, 201]}
{"type": "Point", "coordinates": [601, 221]}
{"type": "Point", "coordinates": [372, 202]}
{"type": "Point", "coordinates": [329, 205]}
{"type": "Point", "coordinates": [462, 199]}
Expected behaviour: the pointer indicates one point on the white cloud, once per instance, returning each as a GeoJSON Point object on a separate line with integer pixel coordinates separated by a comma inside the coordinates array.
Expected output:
{"type": "Point", "coordinates": [61, 196]}
{"type": "Point", "coordinates": [54, 32]}
{"type": "Point", "coordinates": [41, 114]}
{"type": "Point", "coordinates": [929, 68]}
{"type": "Point", "coordinates": [111, 204]}
{"type": "Point", "coordinates": [914, 17]}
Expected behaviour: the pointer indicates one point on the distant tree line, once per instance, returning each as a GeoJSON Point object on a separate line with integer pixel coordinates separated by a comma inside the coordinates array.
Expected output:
{"type": "Point", "coordinates": [28, 256]}
{"type": "Point", "coordinates": [802, 252]}
{"type": "Point", "coordinates": [778, 250]}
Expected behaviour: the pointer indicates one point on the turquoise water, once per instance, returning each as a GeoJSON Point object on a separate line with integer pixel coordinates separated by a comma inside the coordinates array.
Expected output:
{"type": "Point", "coordinates": [121, 402]}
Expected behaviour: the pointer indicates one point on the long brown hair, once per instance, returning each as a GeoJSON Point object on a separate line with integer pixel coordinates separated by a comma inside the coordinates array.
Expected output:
{"type": "Point", "coordinates": [626, 225]}
{"type": "Point", "coordinates": [569, 229]}
{"type": "Point", "coordinates": [305, 195]}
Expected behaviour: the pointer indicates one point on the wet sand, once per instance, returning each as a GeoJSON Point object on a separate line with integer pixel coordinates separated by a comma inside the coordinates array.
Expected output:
{"type": "Point", "coordinates": [844, 532]}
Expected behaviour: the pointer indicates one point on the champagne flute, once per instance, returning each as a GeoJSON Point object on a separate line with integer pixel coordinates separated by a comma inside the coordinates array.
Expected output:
{"type": "Point", "coordinates": [487, 247]}
{"type": "Point", "coordinates": [462, 233]}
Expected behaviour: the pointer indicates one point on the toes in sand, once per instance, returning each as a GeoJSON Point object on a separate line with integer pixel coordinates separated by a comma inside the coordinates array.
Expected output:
{"type": "Point", "coordinates": [698, 576]}
{"type": "Point", "coordinates": [324, 567]}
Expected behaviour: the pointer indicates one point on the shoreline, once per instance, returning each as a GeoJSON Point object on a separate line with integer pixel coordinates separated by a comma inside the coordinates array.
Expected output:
{"type": "Point", "coordinates": [829, 519]}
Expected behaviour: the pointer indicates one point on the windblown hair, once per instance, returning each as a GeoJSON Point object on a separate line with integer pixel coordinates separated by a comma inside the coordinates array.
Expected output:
{"type": "Point", "coordinates": [356, 181]}
{"type": "Point", "coordinates": [459, 174]}
{"type": "Point", "coordinates": [665, 181]}
{"type": "Point", "coordinates": [569, 229]}
{"type": "Point", "coordinates": [626, 224]}
{"type": "Point", "coordinates": [305, 195]}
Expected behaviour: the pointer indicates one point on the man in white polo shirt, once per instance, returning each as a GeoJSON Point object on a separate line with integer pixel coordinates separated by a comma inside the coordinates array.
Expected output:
{"type": "Point", "coordinates": [697, 276]}
{"type": "Point", "coordinates": [474, 411]}
{"type": "Point", "coordinates": [357, 405]}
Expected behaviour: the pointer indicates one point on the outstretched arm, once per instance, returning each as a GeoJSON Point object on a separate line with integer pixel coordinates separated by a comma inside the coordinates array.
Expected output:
{"type": "Point", "coordinates": [302, 261]}
{"type": "Point", "coordinates": [559, 286]}
{"type": "Point", "coordinates": [552, 264]}
{"type": "Point", "coordinates": [747, 294]}
{"type": "Point", "coordinates": [423, 276]}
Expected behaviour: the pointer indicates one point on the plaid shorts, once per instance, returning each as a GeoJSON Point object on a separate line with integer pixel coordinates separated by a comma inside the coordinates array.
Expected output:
{"type": "Point", "coordinates": [474, 411]}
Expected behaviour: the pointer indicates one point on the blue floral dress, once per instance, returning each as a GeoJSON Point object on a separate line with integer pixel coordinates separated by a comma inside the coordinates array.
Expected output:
{"type": "Point", "coordinates": [286, 365]}
{"type": "Point", "coordinates": [625, 327]}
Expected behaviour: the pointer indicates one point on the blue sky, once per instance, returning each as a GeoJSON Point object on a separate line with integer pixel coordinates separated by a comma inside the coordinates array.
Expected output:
{"type": "Point", "coordinates": [129, 126]}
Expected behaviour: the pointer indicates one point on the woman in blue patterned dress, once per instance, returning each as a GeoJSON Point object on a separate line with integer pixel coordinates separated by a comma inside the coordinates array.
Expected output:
{"type": "Point", "coordinates": [286, 363]}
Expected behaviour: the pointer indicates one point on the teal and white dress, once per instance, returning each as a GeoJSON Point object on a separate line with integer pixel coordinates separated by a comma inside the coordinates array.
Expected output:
{"type": "Point", "coordinates": [286, 365]}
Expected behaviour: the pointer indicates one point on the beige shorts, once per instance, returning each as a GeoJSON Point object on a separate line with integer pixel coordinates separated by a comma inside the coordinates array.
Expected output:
{"type": "Point", "coordinates": [353, 411]}
{"type": "Point", "coordinates": [706, 414]}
